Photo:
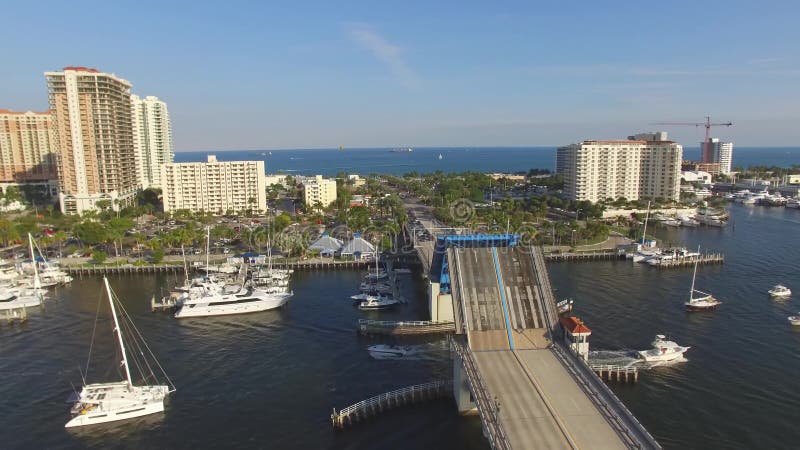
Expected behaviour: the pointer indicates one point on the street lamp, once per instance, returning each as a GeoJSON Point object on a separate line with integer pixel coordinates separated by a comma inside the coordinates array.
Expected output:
{"type": "Point", "coordinates": [573, 238]}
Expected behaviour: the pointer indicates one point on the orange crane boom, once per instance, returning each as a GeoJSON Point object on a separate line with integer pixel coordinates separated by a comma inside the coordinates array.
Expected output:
{"type": "Point", "coordinates": [707, 124]}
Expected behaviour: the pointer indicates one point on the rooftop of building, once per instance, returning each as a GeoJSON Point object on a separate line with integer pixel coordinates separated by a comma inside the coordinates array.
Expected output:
{"type": "Point", "coordinates": [81, 69]}
{"type": "Point", "coordinates": [574, 325]}
{"type": "Point", "coordinates": [8, 111]}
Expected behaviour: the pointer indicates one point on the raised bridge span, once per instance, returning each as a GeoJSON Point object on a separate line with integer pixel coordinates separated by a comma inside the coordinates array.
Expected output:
{"type": "Point", "coordinates": [510, 365]}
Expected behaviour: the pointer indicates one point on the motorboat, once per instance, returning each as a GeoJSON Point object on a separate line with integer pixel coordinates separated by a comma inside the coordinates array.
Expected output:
{"type": "Point", "coordinates": [375, 287]}
{"type": "Point", "coordinates": [377, 275]}
{"type": "Point", "coordinates": [642, 256]}
{"type": "Point", "coordinates": [246, 300]}
{"type": "Point", "coordinates": [564, 306]}
{"type": "Point", "coordinates": [378, 302]}
{"type": "Point", "coordinates": [108, 402]}
{"type": "Point", "coordinates": [793, 203]}
{"type": "Point", "coordinates": [19, 298]}
{"type": "Point", "coordinates": [663, 350]}
{"type": "Point", "coordinates": [704, 302]}
{"type": "Point", "coordinates": [780, 291]}
{"type": "Point", "coordinates": [794, 320]}
{"type": "Point", "coordinates": [671, 222]}
{"type": "Point", "coordinates": [392, 351]}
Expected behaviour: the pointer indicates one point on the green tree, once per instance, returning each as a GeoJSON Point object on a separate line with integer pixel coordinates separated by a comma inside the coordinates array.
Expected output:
{"type": "Point", "coordinates": [157, 256]}
{"type": "Point", "coordinates": [8, 232]}
{"type": "Point", "coordinates": [99, 256]}
{"type": "Point", "coordinates": [91, 233]}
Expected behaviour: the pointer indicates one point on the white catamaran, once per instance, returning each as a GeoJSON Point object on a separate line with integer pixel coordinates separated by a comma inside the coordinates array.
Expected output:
{"type": "Point", "coordinates": [108, 402]}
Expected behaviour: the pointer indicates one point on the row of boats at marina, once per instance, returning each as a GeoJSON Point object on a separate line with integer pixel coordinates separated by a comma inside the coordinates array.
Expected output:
{"type": "Point", "coordinates": [763, 197]}
{"type": "Point", "coordinates": [24, 284]}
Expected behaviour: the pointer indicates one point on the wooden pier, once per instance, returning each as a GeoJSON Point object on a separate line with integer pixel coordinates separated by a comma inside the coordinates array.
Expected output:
{"type": "Point", "coordinates": [175, 268]}
{"type": "Point", "coordinates": [379, 403]}
{"type": "Point", "coordinates": [584, 256]}
{"type": "Point", "coordinates": [14, 315]}
{"type": "Point", "coordinates": [620, 374]}
{"type": "Point", "coordinates": [708, 258]}
{"type": "Point", "coordinates": [394, 328]}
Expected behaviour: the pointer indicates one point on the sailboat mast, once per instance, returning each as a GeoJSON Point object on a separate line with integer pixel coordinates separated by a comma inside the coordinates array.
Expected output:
{"type": "Point", "coordinates": [646, 216]}
{"type": "Point", "coordinates": [208, 245]}
{"type": "Point", "coordinates": [37, 283]}
{"type": "Point", "coordinates": [119, 333]}
{"type": "Point", "coordinates": [185, 268]}
{"type": "Point", "coordinates": [694, 275]}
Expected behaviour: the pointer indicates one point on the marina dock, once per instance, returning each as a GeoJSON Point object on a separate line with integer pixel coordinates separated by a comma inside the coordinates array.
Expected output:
{"type": "Point", "coordinates": [173, 268]}
{"type": "Point", "coordinates": [610, 372]}
{"type": "Point", "coordinates": [395, 328]}
{"type": "Point", "coordinates": [705, 259]}
{"type": "Point", "coordinates": [399, 397]}
{"type": "Point", "coordinates": [583, 256]}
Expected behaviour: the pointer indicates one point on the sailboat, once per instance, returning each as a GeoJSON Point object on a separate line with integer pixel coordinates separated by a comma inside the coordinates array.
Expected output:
{"type": "Point", "coordinates": [644, 255]}
{"type": "Point", "coordinates": [108, 402]}
{"type": "Point", "coordinates": [440, 156]}
{"type": "Point", "coordinates": [706, 301]}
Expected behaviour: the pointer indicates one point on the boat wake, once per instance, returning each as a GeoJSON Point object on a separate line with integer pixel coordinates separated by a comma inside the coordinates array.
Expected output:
{"type": "Point", "coordinates": [629, 358]}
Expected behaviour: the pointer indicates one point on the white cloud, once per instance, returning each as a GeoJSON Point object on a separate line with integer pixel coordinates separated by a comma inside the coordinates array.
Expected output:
{"type": "Point", "coordinates": [384, 51]}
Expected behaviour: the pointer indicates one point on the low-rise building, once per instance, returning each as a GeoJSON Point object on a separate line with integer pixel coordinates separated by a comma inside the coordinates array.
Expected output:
{"type": "Point", "coordinates": [318, 191]}
{"type": "Point", "coordinates": [356, 180]}
{"type": "Point", "coordinates": [691, 176]}
{"type": "Point", "coordinates": [215, 186]}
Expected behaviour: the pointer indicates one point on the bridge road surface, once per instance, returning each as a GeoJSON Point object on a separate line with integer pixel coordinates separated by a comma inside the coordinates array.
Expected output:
{"type": "Point", "coordinates": [540, 403]}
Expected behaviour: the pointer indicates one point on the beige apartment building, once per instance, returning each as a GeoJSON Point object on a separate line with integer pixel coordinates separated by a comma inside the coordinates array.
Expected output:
{"type": "Point", "coordinates": [633, 169]}
{"type": "Point", "coordinates": [215, 186]}
{"type": "Point", "coordinates": [91, 113]}
{"type": "Point", "coordinates": [152, 139]}
{"type": "Point", "coordinates": [318, 191]}
{"type": "Point", "coordinates": [26, 147]}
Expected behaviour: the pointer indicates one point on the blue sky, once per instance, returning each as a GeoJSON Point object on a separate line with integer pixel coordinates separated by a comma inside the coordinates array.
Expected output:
{"type": "Point", "coordinates": [246, 75]}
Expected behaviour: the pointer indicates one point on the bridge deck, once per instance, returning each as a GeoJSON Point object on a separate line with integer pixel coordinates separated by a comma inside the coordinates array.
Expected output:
{"type": "Point", "coordinates": [540, 404]}
{"type": "Point", "coordinates": [527, 317]}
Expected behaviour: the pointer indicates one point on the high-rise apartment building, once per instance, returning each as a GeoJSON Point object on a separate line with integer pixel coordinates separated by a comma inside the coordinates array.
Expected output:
{"type": "Point", "coordinates": [215, 187]}
{"type": "Point", "coordinates": [26, 147]}
{"type": "Point", "coordinates": [319, 191]}
{"type": "Point", "coordinates": [152, 138]}
{"type": "Point", "coordinates": [722, 154]}
{"type": "Point", "coordinates": [91, 113]}
{"type": "Point", "coordinates": [633, 169]}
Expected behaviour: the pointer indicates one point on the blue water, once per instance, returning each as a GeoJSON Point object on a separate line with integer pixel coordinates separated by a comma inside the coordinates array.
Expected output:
{"type": "Point", "coordinates": [483, 159]}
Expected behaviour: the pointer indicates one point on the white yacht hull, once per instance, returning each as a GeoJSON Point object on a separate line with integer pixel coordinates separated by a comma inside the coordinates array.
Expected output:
{"type": "Point", "coordinates": [650, 356]}
{"type": "Point", "coordinates": [200, 309]}
{"type": "Point", "coordinates": [109, 402]}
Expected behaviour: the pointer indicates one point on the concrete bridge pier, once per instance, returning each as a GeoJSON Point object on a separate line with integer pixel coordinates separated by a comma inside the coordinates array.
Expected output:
{"type": "Point", "coordinates": [461, 391]}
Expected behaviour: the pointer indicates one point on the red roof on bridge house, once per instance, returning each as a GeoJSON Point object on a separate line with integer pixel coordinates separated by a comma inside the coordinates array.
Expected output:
{"type": "Point", "coordinates": [574, 325]}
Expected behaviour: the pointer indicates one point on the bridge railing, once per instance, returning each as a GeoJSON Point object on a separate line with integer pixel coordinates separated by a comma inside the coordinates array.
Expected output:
{"type": "Point", "coordinates": [487, 408]}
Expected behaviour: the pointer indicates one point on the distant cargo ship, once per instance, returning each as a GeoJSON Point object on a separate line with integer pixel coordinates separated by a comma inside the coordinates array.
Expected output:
{"type": "Point", "coordinates": [401, 150]}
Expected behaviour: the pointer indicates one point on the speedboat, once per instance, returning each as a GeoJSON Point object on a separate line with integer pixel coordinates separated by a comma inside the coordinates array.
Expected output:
{"type": "Point", "coordinates": [663, 350]}
{"type": "Point", "coordinates": [564, 306]}
{"type": "Point", "coordinates": [794, 320]}
{"type": "Point", "coordinates": [687, 221]}
{"type": "Point", "coordinates": [396, 351]}
{"type": "Point", "coordinates": [780, 291]}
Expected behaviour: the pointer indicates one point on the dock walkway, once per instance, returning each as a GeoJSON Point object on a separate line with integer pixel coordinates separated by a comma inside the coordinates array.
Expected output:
{"type": "Point", "coordinates": [392, 399]}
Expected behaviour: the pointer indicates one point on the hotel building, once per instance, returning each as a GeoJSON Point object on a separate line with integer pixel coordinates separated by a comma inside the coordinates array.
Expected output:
{"type": "Point", "coordinates": [93, 132]}
{"type": "Point", "coordinates": [152, 138]}
{"type": "Point", "coordinates": [27, 150]}
{"type": "Point", "coordinates": [633, 169]}
{"type": "Point", "coordinates": [318, 190]}
{"type": "Point", "coordinates": [214, 186]}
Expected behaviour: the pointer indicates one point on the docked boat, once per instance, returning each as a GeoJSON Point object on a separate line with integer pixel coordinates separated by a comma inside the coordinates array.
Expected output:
{"type": "Point", "coordinates": [378, 302]}
{"type": "Point", "coordinates": [108, 402]}
{"type": "Point", "coordinates": [671, 222]}
{"type": "Point", "coordinates": [705, 301]}
{"type": "Point", "coordinates": [565, 306]}
{"type": "Point", "coordinates": [245, 300]}
{"type": "Point", "coordinates": [663, 350]}
{"type": "Point", "coordinates": [780, 291]}
{"type": "Point", "coordinates": [793, 203]}
{"type": "Point", "coordinates": [16, 298]}
{"type": "Point", "coordinates": [687, 221]}
{"type": "Point", "coordinates": [383, 288]}
{"type": "Point", "coordinates": [794, 320]}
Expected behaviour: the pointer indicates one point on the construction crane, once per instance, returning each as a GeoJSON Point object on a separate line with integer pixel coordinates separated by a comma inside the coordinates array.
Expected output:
{"type": "Point", "coordinates": [707, 124]}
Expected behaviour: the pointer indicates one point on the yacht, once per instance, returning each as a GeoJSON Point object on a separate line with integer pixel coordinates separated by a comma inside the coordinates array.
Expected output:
{"type": "Point", "coordinates": [663, 350]}
{"type": "Point", "coordinates": [687, 221]}
{"type": "Point", "coordinates": [780, 291]}
{"type": "Point", "coordinates": [19, 298]}
{"type": "Point", "coordinates": [245, 300]}
{"type": "Point", "coordinates": [671, 222]}
{"type": "Point", "coordinates": [109, 402]}
{"type": "Point", "coordinates": [705, 301]}
{"type": "Point", "coordinates": [378, 302]}
{"type": "Point", "coordinates": [794, 320]}
{"type": "Point", "coordinates": [383, 288]}
{"type": "Point", "coordinates": [793, 203]}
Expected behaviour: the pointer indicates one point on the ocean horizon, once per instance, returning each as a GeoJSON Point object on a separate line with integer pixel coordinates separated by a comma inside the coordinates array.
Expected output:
{"type": "Point", "coordinates": [453, 159]}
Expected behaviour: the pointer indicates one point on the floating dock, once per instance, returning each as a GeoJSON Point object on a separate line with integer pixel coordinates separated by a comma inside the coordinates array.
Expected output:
{"type": "Point", "coordinates": [394, 328]}
{"type": "Point", "coordinates": [379, 403]}
{"type": "Point", "coordinates": [14, 315]}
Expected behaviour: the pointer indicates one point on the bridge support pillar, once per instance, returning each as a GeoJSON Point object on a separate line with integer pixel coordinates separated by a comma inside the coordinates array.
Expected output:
{"type": "Point", "coordinates": [461, 392]}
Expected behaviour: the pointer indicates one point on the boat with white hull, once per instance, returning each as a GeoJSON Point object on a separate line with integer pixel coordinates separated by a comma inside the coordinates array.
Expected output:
{"type": "Point", "coordinates": [706, 301]}
{"type": "Point", "coordinates": [108, 402]}
{"type": "Point", "coordinates": [780, 291]}
{"type": "Point", "coordinates": [378, 302]}
{"type": "Point", "coordinates": [248, 300]}
{"type": "Point", "coordinates": [663, 350]}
